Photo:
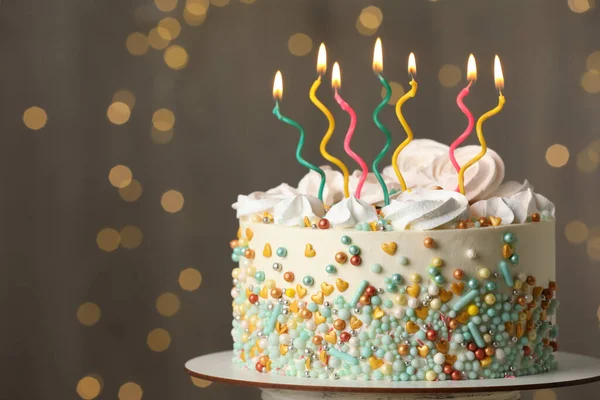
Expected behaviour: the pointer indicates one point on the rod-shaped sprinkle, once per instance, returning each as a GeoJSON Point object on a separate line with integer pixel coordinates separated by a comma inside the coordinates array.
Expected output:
{"type": "Point", "coordinates": [476, 334]}
{"type": "Point", "coordinates": [359, 291]}
{"type": "Point", "coordinates": [273, 319]}
{"type": "Point", "coordinates": [378, 68]}
{"type": "Point", "coordinates": [505, 270]}
{"type": "Point", "coordinates": [321, 68]}
{"type": "Point", "coordinates": [343, 356]}
{"type": "Point", "coordinates": [466, 299]}
{"type": "Point", "coordinates": [336, 82]}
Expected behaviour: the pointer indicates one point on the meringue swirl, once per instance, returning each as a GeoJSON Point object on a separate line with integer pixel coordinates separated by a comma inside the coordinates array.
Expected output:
{"type": "Point", "coordinates": [350, 212]}
{"type": "Point", "coordinates": [258, 202]}
{"type": "Point", "coordinates": [291, 210]}
{"type": "Point", "coordinates": [334, 184]}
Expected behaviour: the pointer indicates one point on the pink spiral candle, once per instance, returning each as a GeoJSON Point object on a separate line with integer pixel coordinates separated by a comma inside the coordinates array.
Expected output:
{"type": "Point", "coordinates": [460, 101]}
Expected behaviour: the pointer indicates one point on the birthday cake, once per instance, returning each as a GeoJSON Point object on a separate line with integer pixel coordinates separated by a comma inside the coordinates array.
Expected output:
{"type": "Point", "coordinates": [435, 285]}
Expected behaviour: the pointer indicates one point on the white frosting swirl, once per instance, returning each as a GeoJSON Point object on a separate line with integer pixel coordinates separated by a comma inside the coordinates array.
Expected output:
{"type": "Point", "coordinates": [534, 203]}
{"type": "Point", "coordinates": [415, 160]}
{"type": "Point", "coordinates": [291, 210]}
{"type": "Point", "coordinates": [334, 184]}
{"type": "Point", "coordinates": [372, 192]}
{"type": "Point", "coordinates": [423, 209]}
{"type": "Point", "coordinates": [258, 202]}
{"type": "Point", "coordinates": [349, 212]}
{"type": "Point", "coordinates": [509, 210]}
{"type": "Point", "coordinates": [507, 189]}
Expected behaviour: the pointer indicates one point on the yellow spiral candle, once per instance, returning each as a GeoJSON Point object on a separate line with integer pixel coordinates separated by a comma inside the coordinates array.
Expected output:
{"type": "Point", "coordinates": [412, 70]}
{"type": "Point", "coordinates": [321, 68]}
{"type": "Point", "coordinates": [499, 79]}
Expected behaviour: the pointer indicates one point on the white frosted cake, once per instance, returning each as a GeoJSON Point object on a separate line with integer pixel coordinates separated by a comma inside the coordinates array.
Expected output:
{"type": "Point", "coordinates": [435, 285]}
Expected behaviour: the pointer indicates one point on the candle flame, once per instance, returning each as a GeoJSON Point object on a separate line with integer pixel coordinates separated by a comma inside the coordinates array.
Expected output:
{"type": "Point", "coordinates": [336, 76]}
{"type": "Point", "coordinates": [498, 76]}
{"type": "Point", "coordinates": [278, 86]}
{"type": "Point", "coordinates": [378, 57]}
{"type": "Point", "coordinates": [412, 64]}
{"type": "Point", "coordinates": [322, 60]}
{"type": "Point", "coordinates": [471, 69]}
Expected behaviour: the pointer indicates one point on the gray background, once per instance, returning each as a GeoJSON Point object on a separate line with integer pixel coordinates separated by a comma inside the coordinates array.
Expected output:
{"type": "Point", "coordinates": [69, 57]}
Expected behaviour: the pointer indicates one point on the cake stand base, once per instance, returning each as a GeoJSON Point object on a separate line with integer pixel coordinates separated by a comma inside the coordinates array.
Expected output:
{"type": "Point", "coordinates": [572, 370]}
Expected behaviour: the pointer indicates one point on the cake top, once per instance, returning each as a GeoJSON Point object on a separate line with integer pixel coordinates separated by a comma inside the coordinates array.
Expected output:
{"type": "Point", "coordinates": [431, 202]}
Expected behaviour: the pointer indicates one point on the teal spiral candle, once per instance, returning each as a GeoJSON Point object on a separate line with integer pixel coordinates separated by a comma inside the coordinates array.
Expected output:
{"type": "Point", "coordinates": [301, 160]}
{"type": "Point", "coordinates": [388, 135]}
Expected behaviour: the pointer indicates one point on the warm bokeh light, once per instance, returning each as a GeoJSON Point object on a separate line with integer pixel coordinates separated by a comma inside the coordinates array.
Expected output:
{"type": "Point", "coordinates": [193, 19]}
{"type": "Point", "coordinates": [89, 387]}
{"type": "Point", "coordinates": [593, 248]}
{"type": "Point", "coordinates": [593, 61]}
{"type": "Point", "coordinates": [248, 1]}
{"type": "Point", "coordinates": [412, 64]}
{"type": "Point", "coordinates": [201, 383]}
{"type": "Point", "coordinates": [278, 86]}
{"type": "Point", "coordinates": [160, 137]}
{"type": "Point", "coordinates": [219, 3]}
{"type": "Point", "coordinates": [322, 60]}
{"type": "Point", "coordinates": [118, 113]}
{"type": "Point", "coordinates": [587, 160]}
{"type": "Point", "coordinates": [371, 17]}
{"type": "Point", "coordinates": [165, 5]}
{"type": "Point", "coordinates": [124, 96]}
{"type": "Point", "coordinates": [576, 232]}
{"type": "Point", "coordinates": [163, 119]}
{"type": "Point", "coordinates": [167, 304]}
{"type": "Point", "coordinates": [300, 44]}
{"type": "Point", "coordinates": [131, 192]}
{"type": "Point", "coordinates": [88, 314]}
{"type": "Point", "coordinates": [190, 279]}
{"type": "Point", "coordinates": [158, 340]}
{"type": "Point", "coordinates": [130, 391]}
{"type": "Point", "coordinates": [336, 76]}
{"type": "Point", "coordinates": [176, 57]}
{"type": "Point", "coordinates": [172, 201]}
{"type": "Point", "coordinates": [156, 41]}
{"type": "Point", "coordinates": [378, 57]}
{"type": "Point", "coordinates": [35, 118]}
{"type": "Point", "coordinates": [397, 92]}
{"type": "Point", "coordinates": [137, 44]}
{"type": "Point", "coordinates": [471, 68]}
{"type": "Point", "coordinates": [108, 239]}
{"type": "Point", "coordinates": [131, 237]}
{"type": "Point", "coordinates": [590, 81]}
{"type": "Point", "coordinates": [581, 6]}
{"type": "Point", "coordinates": [449, 75]}
{"type": "Point", "coordinates": [169, 28]}
{"type": "Point", "coordinates": [557, 155]}
{"type": "Point", "coordinates": [498, 75]}
{"type": "Point", "coordinates": [544, 394]}
{"type": "Point", "coordinates": [363, 30]}
{"type": "Point", "coordinates": [120, 176]}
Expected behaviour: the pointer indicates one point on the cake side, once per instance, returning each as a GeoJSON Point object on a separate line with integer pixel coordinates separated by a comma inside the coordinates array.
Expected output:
{"type": "Point", "coordinates": [404, 305]}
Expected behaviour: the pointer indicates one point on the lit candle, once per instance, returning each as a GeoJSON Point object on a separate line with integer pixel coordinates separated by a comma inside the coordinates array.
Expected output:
{"type": "Point", "coordinates": [321, 68]}
{"type": "Point", "coordinates": [499, 79]}
{"type": "Point", "coordinates": [471, 77]}
{"type": "Point", "coordinates": [277, 95]}
{"type": "Point", "coordinates": [378, 69]}
{"type": "Point", "coordinates": [412, 70]}
{"type": "Point", "coordinates": [336, 83]}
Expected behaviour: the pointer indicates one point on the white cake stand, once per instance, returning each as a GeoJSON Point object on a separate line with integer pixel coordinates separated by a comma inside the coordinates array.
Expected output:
{"type": "Point", "coordinates": [218, 367]}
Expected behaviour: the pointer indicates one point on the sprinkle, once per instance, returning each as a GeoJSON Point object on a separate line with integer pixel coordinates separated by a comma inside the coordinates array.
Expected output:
{"type": "Point", "coordinates": [359, 291]}
{"type": "Point", "coordinates": [281, 251]}
{"type": "Point", "coordinates": [506, 274]}
{"type": "Point", "coordinates": [466, 299]}
{"type": "Point", "coordinates": [346, 240]}
{"type": "Point", "coordinates": [344, 356]}
{"type": "Point", "coordinates": [476, 335]}
{"type": "Point", "coordinates": [402, 260]}
{"type": "Point", "coordinates": [273, 319]}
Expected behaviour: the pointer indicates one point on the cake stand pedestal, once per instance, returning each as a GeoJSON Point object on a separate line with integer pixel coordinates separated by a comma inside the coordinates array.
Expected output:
{"type": "Point", "coordinates": [218, 367]}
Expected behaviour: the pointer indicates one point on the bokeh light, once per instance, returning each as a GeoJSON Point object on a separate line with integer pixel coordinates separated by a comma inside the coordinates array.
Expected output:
{"type": "Point", "coordinates": [158, 340]}
{"type": "Point", "coordinates": [124, 96]}
{"type": "Point", "coordinates": [172, 201]}
{"type": "Point", "coordinates": [176, 57]}
{"type": "Point", "coordinates": [371, 17]}
{"type": "Point", "coordinates": [587, 160]}
{"type": "Point", "coordinates": [190, 279]}
{"type": "Point", "coordinates": [156, 41]}
{"type": "Point", "coordinates": [593, 248]}
{"type": "Point", "coordinates": [193, 19]}
{"type": "Point", "coordinates": [449, 75]}
{"type": "Point", "coordinates": [167, 304]}
{"type": "Point", "coordinates": [137, 43]}
{"type": "Point", "coordinates": [557, 155]}
{"type": "Point", "coordinates": [576, 232]}
{"type": "Point", "coordinates": [196, 8]}
{"type": "Point", "coordinates": [131, 192]}
{"type": "Point", "coordinates": [130, 391]}
{"type": "Point", "coordinates": [89, 387]}
{"type": "Point", "coordinates": [219, 3]}
{"type": "Point", "coordinates": [120, 176]}
{"type": "Point", "coordinates": [201, 383]}
{"type": "Point", "coordinates": [88, 314]}
{"type": "Point", "coordinates": [590, 81]}
{"type": "Point", "coordinates": [165, 5]}
{"type": "Point", "coordinates": [248, 1]}
{"type": "Point", "coordinates": [118, 113]}
{"type": "Point", "coordinates": [160, 137]}
{"type": "Point", "coordinates": [108, 239]}
{"type": "Point", "coordinates": [363, 30]}
{"type": "Point", "coordinates": [397, 92]}
{"type": "Point", "coordinates": [544, 394]}
{"type": "Point", "coordinates": [300, 44]}
{"type": "Point", "coordinates": [131, 236]}
{"type": "Point", "coordinates": [169, 28]}
{"type": "Point", "coordinates": [163, 119]}
{"type": "Point", "coordinates": [35, 118]}
{"type": "Point", "coordinates": [580, 6]}
{"type": "Point", "coordinates": [593, 61]}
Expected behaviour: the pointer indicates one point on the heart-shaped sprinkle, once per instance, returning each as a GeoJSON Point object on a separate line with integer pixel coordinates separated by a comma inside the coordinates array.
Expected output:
{"type": "Point", "coordinates": [319, 319]}
{"type": "Point", "coordinates": [309, 251]}
{"type": "Point", "coordinates": [331, 337]}
{"type": "Point", "coordinates": [507, 251]}
{"type": "Point", "coordinates": [495, 221]}
{"type": "Point", "coordinates": [355, 323]}
{"type": "Point", "coordinates": [326, 288]}
{"type": "Point", "coordinates": [422, 312]}
{"type": "Point", "coordinates": [442, 346]}
{"type": "Point", "coordinates": [457, 288]}
{"type": "Point", "coordinates": [389, 247]}
{"type": "Point", "coordinates": [377, 313]}
{"type": "Point", "coordinates": [341, 285]}
{"type": "Point", "coordinates": [451, 359]}
{"type": "Point", "coordinates": [301, 291]}
{"type": "Point", "coordinates": [423, 350]}
{"type": "Point", "coordinates": [264, 292]}
{"type": "Point", "coordinates": [445, 295]}
{"type": "Point", "coordinates": [463, 317]}
{"type": "Point", "coordinates": [307, 223]}
{"type": "Point", "coordinates": [267, 252]}
{"type": "Point", "coordinates": [249, 234]}
{"type": "Point", "coordinates": [239, 233]}
{"type": "Point", "coordinates": [323, 357]}
{"type": "Point", "coordinates": [294, 307]}
{"type": "Point", "coordinates": [375, 363]}
{"type": "Point", "coordinates": [411, 327]}
{"type": "Point", "coordinates": [281, 328]}
{"type": "Point", "coordinates": [520, 330]}
{"type": "Point", "coordinates": [317, 298]}
{"type": "Point", "coordinates": [413, 291]}
{"type": "Point", "coordinates": [486, 362]}
{"type": "Point", "coordinates": [283, 349]}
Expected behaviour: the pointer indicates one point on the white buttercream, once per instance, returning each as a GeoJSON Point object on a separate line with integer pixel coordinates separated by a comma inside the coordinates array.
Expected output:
{"type": "Point", "coordinates": [509, 210]}
{"type": "Point", "coordinates": [372, 192]}
{"type": "Point", "coordinates": [507, 189]}
{"type": "Point", "coordinates": [334, 184]}
{"type": "Point", "coordinates": [349, 212]}
{"type": "Point", "coordinates": [258, 202]}
{"type": "Point", "coordinates": [534, 203]}
{"type": "Point", "coordinates": [423, 209]}
{"type": "Point", "coordinates": [415, 160]}
{"type": "Point", "coordinates": [291, 210]}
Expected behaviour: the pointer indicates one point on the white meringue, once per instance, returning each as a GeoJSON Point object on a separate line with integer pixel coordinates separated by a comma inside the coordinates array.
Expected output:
{"type": "Point", "coordinates": [507, 189]}
{"type": "Point", "coordinates": [414, 160]}
{"type": "Point", "coordinates": [423, 209]}
{"type": "Point", "coordinates": [534, 203]}
{"type": "Point", "coordinates": [258, 202]}
{"type": "Point", "coordinates": [334, 184]}
{"type": "Point", "coordinates": [372, 192]}
{"type": "Point", "coordinates": [510, 211]}
{"type": "Point", "coordinates": [291, 210]}
{"type": "Point", "coordinates": [349, 212]}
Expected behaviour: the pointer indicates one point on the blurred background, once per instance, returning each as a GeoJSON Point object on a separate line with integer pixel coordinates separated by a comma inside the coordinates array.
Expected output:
{"type": "Point", "coordinates": [129, 127]}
